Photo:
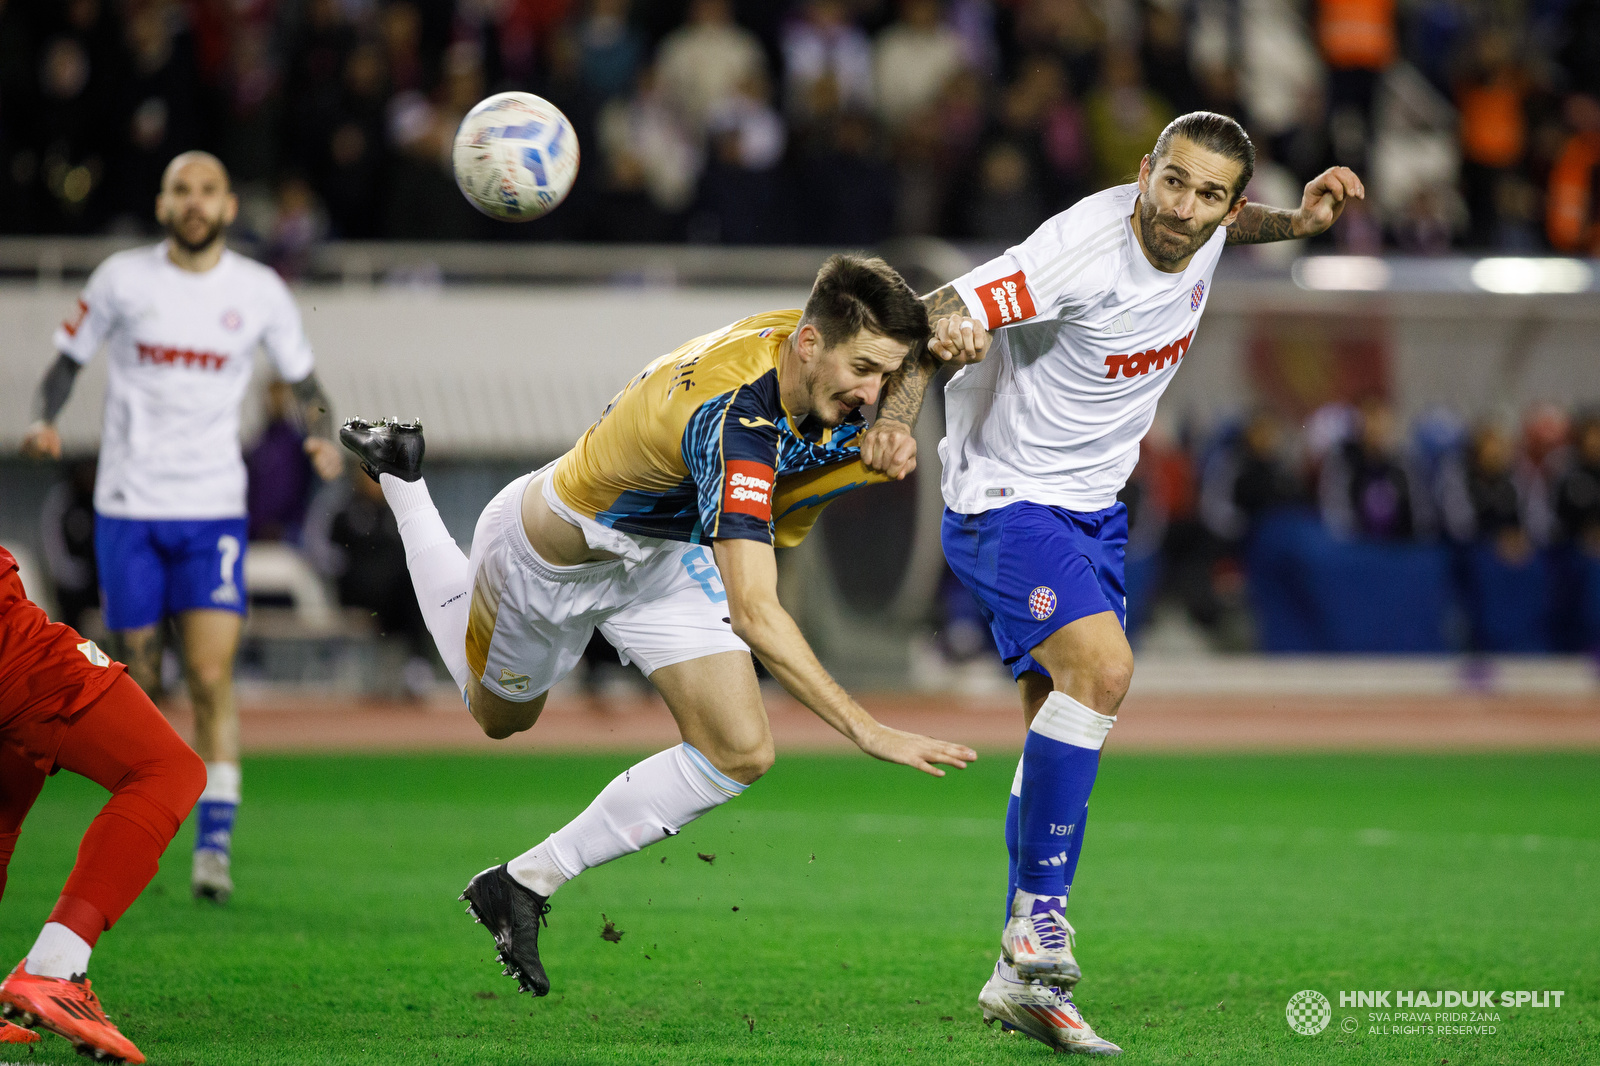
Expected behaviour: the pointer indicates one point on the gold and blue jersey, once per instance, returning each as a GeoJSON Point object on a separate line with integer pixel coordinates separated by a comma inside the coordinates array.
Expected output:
{"type": "Point", "coordinates": [699, 447]}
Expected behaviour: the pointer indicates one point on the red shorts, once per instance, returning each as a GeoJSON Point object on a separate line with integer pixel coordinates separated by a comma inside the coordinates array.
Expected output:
{"type": "Point", "coordinates": [48, 671]}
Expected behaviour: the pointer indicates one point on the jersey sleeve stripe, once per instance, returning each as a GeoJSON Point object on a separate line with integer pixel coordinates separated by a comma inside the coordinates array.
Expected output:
{"type": "Point", "coordinates": [1070, 255]}
{"type": "Point", "coordinates": [722, 459]}
{"type": "Point", "coordinates": [1065, 269]}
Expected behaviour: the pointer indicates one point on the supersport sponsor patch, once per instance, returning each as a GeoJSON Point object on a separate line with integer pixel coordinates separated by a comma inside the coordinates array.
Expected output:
{"type": "Point", "coordinates": [1006, 300]}
{"type": "Point", "coordinates": [747, 489]}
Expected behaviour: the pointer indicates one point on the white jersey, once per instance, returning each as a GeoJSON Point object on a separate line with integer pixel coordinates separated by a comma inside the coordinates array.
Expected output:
{"type": "Point", "coordinates": [1087, 334]}
{"type": "Point", "coordinates": [181, 347]}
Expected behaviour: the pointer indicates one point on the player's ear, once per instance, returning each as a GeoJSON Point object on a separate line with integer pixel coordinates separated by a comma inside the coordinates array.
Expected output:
{"type": "Point", "coordinates": [1144, 173]}
{"type": "Point", "coordinates": [230, 211]}
{"type": "Point", "coordinates": [1233, 212]}
{"type": "Point", "coordinates": [807, 342]}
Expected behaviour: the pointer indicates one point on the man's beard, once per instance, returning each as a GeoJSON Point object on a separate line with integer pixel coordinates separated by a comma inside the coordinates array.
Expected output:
{"type": "Point", "coordinates": [175, 234]}
{"type": "Point", "coordinates": [1164, 245]}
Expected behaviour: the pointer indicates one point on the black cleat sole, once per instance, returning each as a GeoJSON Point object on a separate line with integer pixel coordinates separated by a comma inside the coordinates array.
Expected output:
{"type": "Point", "coordinates": [387, 446]}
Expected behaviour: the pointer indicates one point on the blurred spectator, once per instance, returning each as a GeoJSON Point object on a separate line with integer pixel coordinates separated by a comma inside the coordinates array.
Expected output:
{"type": "Point", "coordinates": [849, 187]}
{"type": "Point", "coordinates": [653, 166]}
{"type": "Point", "coordinates": [298, 225]}
{"type": "Point", "coordinates": [701, 65]}
{"type": "Point", "coordinates": [1164, 54]}
{"type": "Point", "coordinates": [1038, 112]}
{"type": "Point", "coordinates": [280, 472]}
{"type": "Point", "coordinates": [610, 51]}
{"type": "Point", "coordinates": [1491, 95]}
{"type": "Point", "coordinates": [250, 145]}
{"type": "Point", "coordinates": [913, 58]}
{"type": "Point", "coordinates": [1577, 492]}
{"type": "Point", "coordinates": [401, 29]}
{"type": "Point", "coordinates": [740, 189]}
{"type": "Point", "coordinates": [1484, 500]}
{"type": "Point", "coordinates": [1248, 479]}
{"type": "Point", "coordinates": [1359, 43]}
{"type": "Point", "coordinates": [1007, 206]}
{"type": "Point", "coordinates": [1573, 223]}
{"type": "Point", "coordinates": [1280, 81]}
{"type": "Point", "coordinates": [71, 121]}
{"type": "Point", "coordinates": [66, 533]}
{"type": "Point", "coordinates": [827, 63]}
{"type": "Point", "coordinates": [1073, 30]}
{"type": "Point", "coordinates": [159, 99]}
{"type": "Point", "coordinates": [354, 165]}
{"type": "Point", "coordinates": [1365, 488]}
{"type": "Point", "coordinates": [1125, 118]}
{"type": "Point", "coordinates": [424, 203]}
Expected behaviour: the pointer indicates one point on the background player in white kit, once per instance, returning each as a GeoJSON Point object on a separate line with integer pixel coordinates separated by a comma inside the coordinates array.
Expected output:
{"type": "Point", "coordinates": [1092, 315]}
{"type": "Point", "coordinates": [181, 321]}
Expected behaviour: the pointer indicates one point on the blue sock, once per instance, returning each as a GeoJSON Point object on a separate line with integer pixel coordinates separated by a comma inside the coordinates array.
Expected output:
{"type": "Point", "coordinates": [1075, 849]}
{"type": "Point", "coordinates": [1013, 816]}
{"type": "Point", "coordinates": [1060, 758]}
{"type": "Point", "coordinates": [214, 825]}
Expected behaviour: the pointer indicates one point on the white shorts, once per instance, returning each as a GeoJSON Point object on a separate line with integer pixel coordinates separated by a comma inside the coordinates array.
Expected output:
{"type": "Point", "coordinates": [530, 621]}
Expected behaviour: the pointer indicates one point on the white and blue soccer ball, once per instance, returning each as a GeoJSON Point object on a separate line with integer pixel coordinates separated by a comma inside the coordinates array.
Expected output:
{"type": "Point", "coordinates": [515, 156]}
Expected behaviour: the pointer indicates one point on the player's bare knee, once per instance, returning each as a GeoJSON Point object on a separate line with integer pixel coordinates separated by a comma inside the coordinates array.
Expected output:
{"type": "Point", "coordinates": [1112, 674]}
{"type": "Point", "coordinates": [746, 765]}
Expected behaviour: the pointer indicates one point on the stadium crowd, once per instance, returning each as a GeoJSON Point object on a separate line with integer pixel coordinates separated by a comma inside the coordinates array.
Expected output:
{"type": "Point", "coordinates": [812, 121]}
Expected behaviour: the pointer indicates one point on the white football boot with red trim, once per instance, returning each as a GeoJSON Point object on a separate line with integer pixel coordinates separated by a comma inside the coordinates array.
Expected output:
{"type": "Point", "coordinates": [1041, 1011]}
{"type": "Point", "coordinates": [1038, 940]}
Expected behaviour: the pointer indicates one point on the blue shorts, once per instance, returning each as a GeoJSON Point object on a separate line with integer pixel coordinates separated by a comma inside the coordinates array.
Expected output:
{"type": "Point", "coordinates": [1034, 568]}
{"type": "Point", "coordinates": [152, 568]}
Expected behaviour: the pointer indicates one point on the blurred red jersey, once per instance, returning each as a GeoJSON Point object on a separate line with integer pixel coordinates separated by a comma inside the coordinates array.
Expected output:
{"type": "Point", "coordinates": [47, 670]}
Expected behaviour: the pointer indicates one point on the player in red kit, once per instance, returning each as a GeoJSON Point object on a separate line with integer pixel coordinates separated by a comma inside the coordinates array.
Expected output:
{"type": "Point", "coordinates": [64, 704]}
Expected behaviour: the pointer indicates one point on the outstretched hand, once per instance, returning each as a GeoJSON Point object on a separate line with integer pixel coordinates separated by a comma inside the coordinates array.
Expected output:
{"type": "Point", "coordinates": [915, 750]}
{"type": "Point", "coordinates": [1325, 198]}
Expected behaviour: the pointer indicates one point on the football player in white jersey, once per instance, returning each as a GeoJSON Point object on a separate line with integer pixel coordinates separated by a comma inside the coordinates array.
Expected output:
{"type": "Point", "coordinates": [180, 322]}
{"type": "Point", "coordinates": [1091, 317]}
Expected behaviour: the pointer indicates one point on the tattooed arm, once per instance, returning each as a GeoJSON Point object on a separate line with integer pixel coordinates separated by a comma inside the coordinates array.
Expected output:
{"type": "Point", "coordinates": [1258, 224]}
{"type": "Point", "coordinates": [957, 339]}
{"type": "Point", "coordinates": [1321, 205]}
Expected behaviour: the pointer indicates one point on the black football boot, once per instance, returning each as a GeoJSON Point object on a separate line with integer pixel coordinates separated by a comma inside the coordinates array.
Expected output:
{"type": "Point", "coordinates": [387, 446]}
{"type": "Point", "coordinates": [513, 913]}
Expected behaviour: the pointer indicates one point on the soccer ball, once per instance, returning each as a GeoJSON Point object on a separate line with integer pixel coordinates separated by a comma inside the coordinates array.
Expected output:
{"type": "Point", "coordinates": [515, 156]}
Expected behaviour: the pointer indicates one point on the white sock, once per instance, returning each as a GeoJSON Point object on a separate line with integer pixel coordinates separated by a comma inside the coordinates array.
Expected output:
{"type": "Point", "coordinates": [222, 782]}
{"type": "Point", "coordinates": [59, 952]}
{"type": "Point", "coordinates": [647, 803]}
{"type": "Point", "coordinates": [440, 573]}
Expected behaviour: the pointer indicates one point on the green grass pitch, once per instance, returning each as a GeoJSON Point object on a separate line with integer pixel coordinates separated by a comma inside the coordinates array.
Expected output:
{"type": "Point", "coordinates": [851, 914]}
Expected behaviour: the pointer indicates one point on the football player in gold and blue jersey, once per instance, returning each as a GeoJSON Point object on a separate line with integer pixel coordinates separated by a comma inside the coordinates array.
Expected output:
{"type": "Point", "coordinates": [659, 528]}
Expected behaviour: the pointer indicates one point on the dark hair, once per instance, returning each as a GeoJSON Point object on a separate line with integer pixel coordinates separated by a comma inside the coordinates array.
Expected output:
{"type": "Point", "coordinates": [858, 292]}
{"type": "Point", "coordinates": [1216, 133]}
